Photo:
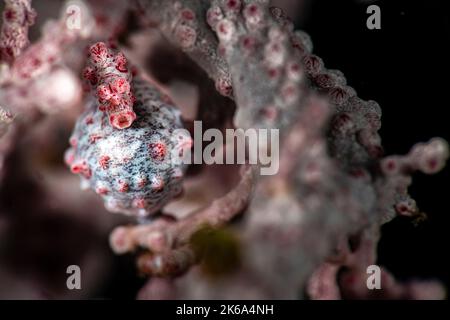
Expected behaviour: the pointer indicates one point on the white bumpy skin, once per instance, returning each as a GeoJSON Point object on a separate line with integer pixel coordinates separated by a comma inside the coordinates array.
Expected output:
{"type": "Point", "coordinates": [133, 169]}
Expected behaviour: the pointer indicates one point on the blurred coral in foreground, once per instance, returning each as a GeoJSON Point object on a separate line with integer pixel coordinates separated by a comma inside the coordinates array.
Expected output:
{"type": "Point", "coordinates": [310, 231]}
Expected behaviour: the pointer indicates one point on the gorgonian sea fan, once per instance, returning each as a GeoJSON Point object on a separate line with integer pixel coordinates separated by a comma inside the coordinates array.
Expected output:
{"type": "Point", "coordinates": [311, 230]}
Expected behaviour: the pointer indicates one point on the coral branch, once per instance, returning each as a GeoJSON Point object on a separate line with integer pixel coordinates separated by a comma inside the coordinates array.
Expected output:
{"type": "Point", "coordinates": [135, 170]}
{"type": "Point", "coordinates": [168, 240]}
{"type": "Point", "coordinates": [18, 16]}
{"type": "Point", "coordinates": [183, 23]}
{"type": "Point", "coordinates": [275, 79]}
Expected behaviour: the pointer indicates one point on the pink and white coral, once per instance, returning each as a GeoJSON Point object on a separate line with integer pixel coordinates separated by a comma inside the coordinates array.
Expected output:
{"type": "Point", "coordinates": [309, 231]}
{"type": "Point", "coordinates": [18, 16]}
